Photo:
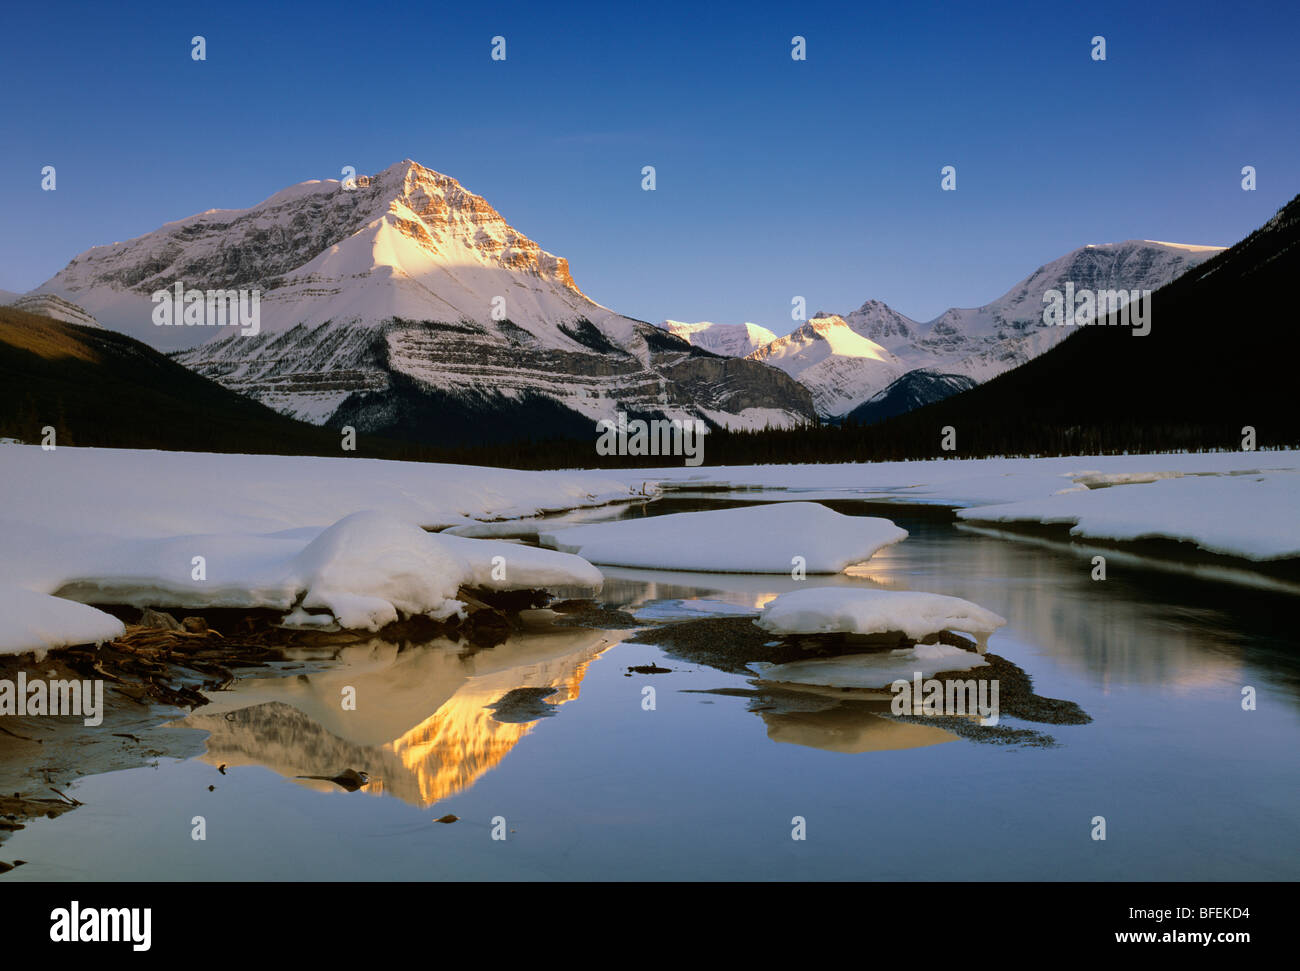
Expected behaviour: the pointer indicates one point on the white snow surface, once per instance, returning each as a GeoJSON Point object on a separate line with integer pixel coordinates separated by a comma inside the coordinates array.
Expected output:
{"type": "Point", "coordinates": [748, 539]}
{"type": "Point", "coordinates": [1241, 504]}
{"type": "Point", "coordinates": [857, 610]}
{"type": "Point", "coordinates": [368, 569]}
{"type": "Point", "coordinates": [287, 533]}
{"type": "Point", "coordinates": [1256, 516]}
{"type": "Point", "coordinates": [31, 621]}
{"type": "Point", "coordinates": [730, 340]}
{"type": "Point", "coordinates": [141, 493]}
{"type": "Point", "coordinates": [868, 671]}
{"type": "Point", "coordinates": [410, 243]}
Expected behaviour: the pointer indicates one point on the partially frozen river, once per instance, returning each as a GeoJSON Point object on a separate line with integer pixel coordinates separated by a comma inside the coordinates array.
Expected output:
{"type": "Point", "coordinates": [548, 741]}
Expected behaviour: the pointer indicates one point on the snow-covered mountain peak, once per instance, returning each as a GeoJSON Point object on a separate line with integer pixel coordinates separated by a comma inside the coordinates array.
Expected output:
{"type": "Point", "coordinates": [838, 365]}
{"type": "Point", "coordinates": [408, 243]}
{"type": "Point", "coordinates": [404, 304]}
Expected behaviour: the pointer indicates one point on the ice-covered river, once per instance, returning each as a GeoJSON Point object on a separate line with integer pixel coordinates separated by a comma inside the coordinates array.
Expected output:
{"type": "Point", "coordinates": [584, 779]}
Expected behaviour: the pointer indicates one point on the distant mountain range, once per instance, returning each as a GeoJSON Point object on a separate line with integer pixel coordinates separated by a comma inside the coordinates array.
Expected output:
{"type": "Point", "coordinates": [1184, 385]}
{"type": "Point", "coordinates": [1208, 369]}
{"type": "Point", "coordinates": [407, 307]}
{"type": "Point", "coordinates": [846, 361]}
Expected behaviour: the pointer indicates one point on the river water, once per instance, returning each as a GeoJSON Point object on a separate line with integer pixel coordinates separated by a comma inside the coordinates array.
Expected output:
{"type": "Point", "coordinates": [589, 782]}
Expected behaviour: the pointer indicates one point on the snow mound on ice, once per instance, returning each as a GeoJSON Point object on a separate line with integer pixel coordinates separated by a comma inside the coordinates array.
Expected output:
{"type": "Point", "coordinates": [749, 539]}
{"type": "Point", "coordinates": [878, 670]}
{"type": "Point", "coordinates": [852, 610]}
{"type": "Point", "coordinates": [369, 568]}
{"type": "Point", "coordinates": [499, 565]}
{"type": "Point", "coordinates": [32, 621]}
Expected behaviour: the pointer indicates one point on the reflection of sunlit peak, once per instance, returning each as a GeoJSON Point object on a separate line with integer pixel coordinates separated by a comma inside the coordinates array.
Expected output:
{"type": "Point", "coordinates": [763, 599]}
{"type": "Point", "coordinates": [292, 726]}
{"type": "Point", "coordinates": [450, 750]}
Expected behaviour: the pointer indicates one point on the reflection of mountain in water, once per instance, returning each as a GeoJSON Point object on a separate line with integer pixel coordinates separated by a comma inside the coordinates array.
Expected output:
{"type": "Point", "coordinates": [421, 727]}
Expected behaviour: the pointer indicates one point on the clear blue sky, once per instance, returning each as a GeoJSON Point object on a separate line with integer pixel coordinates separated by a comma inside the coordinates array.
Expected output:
{"type": "Point", "coordinates": [775, 177]}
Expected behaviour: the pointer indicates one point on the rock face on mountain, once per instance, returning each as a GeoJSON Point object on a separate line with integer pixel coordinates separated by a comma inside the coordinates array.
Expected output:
{"type": "Point", "coordinates": [48, 305]}
{"type": "Point", "coordinates": [729, 340]}
{"type": "Point", "coordinates": [406, 305]}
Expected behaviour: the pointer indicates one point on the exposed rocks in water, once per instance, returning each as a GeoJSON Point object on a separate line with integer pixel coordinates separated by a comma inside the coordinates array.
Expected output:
{"type": "Point", "coordinates": [650, 668]}
{"type": "Point", "coordinates": [349, 780]}
{"type": "Point", "coordinates": [589, 613]}
{"type": "Point", "coordinates": [523, 705]}
{"type": "Point", "coordinates": [509, 601]}
{"type": "Point", "coordinates": [449, 818]}
{"type": "Point", "coordinates": [731, 643]}
{"type": "Point", "coordinates": [16, 807]}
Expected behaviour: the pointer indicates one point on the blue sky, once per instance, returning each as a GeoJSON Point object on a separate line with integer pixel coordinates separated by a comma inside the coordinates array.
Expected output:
{"type": "Point", "coordinates": [775, 177]}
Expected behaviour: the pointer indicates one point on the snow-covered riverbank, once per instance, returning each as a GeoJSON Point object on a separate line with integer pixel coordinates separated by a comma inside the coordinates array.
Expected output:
{"type": "Point", "coordinates": [126, 526]}
{"type": "Point", "coordinates": [141, 527]}
{"type": "Point", "coordinates": [1244, 504]}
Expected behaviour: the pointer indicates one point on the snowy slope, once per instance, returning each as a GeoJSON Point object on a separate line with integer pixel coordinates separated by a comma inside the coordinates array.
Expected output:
{"type": "Point", "coordinates": [839, 366]}
{"type": "Point", "coordinates": [729, 340]}
{"type": "Point", "coordinates": [408, 242]}
{"type": "Point", "coordinates": [400, 295]}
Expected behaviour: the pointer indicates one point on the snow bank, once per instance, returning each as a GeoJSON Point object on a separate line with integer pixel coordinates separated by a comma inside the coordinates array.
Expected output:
{"type": "Point", "coordinates": [125, 526]}
{"type": "Point", "coordinates": [750, 539]}
{"type": "Point", "coordinates": [1237, 503]}
{"type": "Point", "coordinates": [498, 565]}
{"type": "Point", "coordinates": [871, 671]}
{"type": "Point", "coordinates": [856, 610]}
{"type": "Point", "coordinates": [35, 622]}
{"type": "Point", "coordinates": [368, 569]}
{"type": "Point", "coordinates": [1252, 516]}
